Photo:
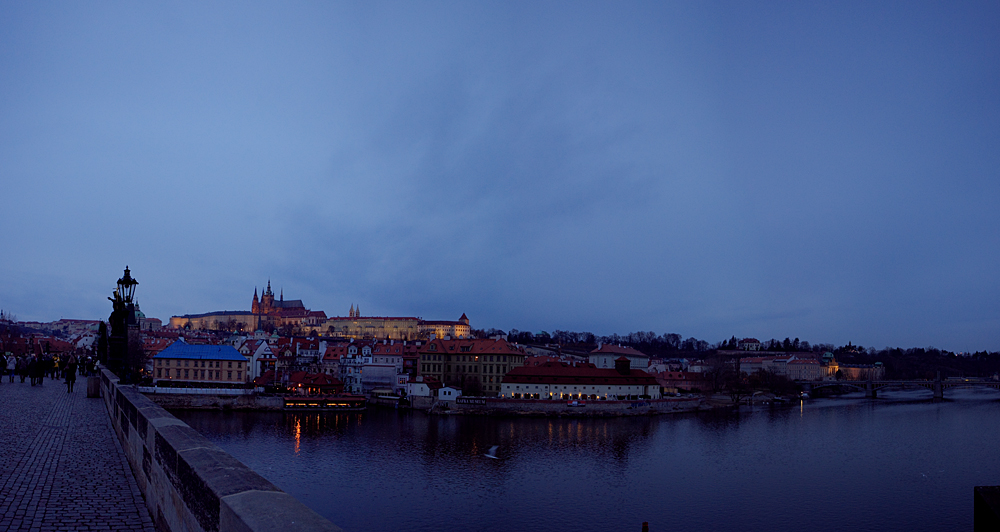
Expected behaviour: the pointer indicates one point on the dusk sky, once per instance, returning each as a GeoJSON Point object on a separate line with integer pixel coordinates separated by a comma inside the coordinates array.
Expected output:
{"type": "Point", "coordinates": [828, 171]}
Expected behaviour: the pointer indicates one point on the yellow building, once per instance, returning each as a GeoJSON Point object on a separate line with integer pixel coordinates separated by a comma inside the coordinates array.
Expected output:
{"type": "Point", "coordinates": [372, 327]}
{"type": "Point", "coordinates": [476, 366]}
{"type": "Point", "coordinates": [441, 329]}
{"type": "Point", "coordinates": [200, 363]}
{"type": "Point", "coordinates": [215, 320]}
{"type": "Point", "coordinates": [394, 328]}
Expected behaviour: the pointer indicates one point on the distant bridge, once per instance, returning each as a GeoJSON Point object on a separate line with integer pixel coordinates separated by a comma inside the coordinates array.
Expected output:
{"type": "Point", "coordinates": [938, 386]}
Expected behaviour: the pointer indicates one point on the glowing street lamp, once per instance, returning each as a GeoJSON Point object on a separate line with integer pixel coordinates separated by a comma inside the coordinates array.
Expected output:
{"type": "Point", "coordinates": [126, 286]}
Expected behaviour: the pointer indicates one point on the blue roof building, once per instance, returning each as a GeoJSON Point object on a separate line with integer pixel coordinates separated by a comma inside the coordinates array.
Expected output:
{"type": "Point", "coordinates": [216, 364]}
{"type": "Point", "coordinates": [183, 350]}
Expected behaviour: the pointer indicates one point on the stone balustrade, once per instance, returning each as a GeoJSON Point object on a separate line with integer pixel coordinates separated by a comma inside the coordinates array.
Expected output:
{"type": "Point", "coordinates": [189, 483]}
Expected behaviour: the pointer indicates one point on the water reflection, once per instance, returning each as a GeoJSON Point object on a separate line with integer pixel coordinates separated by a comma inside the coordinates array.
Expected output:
{"type": "Point", "coordinates": [851, 462]}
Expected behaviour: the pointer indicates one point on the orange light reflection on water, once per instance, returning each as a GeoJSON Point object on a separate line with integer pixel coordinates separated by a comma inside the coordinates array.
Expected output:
{"type": "Point", "coordinates": [298, 434]}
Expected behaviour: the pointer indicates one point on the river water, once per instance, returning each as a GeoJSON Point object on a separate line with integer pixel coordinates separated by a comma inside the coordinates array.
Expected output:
{"type": "Point", "coordinates": [902, 462]}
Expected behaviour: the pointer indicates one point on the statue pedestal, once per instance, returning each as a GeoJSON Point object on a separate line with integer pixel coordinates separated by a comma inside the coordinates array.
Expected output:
{"type": "Point", "coordinates": [94, 387]}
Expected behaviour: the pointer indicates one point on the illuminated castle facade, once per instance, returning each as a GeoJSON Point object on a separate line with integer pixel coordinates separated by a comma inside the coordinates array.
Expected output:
{"type": "Point", "coordinates": [267, 310]}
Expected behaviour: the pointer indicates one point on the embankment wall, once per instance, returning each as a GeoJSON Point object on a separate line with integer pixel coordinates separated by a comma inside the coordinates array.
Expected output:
{"type": "Point", "coordinates": [216, 402]}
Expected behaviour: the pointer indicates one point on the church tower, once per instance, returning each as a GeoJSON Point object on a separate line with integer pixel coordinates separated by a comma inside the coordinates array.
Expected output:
{"type": "Point", "coordinates": [267, 300]}
{"type": "Point", "coordinates": [255, 307]}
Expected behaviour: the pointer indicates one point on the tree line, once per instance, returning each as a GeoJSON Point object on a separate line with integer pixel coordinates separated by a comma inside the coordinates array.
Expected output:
{"type": "Point", "coordinates": [900, 363]}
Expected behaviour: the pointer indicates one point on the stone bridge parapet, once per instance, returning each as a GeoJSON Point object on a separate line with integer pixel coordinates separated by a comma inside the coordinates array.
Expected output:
{"type": "Point", "coordinates": [189, 483]}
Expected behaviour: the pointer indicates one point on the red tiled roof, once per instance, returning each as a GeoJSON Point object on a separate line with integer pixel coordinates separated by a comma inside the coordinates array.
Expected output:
{"type": "Point", "coordinates": [431, 382]}
{"type": "Point", "coordinates": [387, 349]}
{"type": "Point", "coordinates": [617, 349]}
{"type": "Point", "coordinates": [334, 352]}
{"type": "Point", "coordinates": [538, 360]}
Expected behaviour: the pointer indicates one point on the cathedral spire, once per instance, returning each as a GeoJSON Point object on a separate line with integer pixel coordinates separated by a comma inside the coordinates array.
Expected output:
{"type": "Point", "coordinates": [351, 313]}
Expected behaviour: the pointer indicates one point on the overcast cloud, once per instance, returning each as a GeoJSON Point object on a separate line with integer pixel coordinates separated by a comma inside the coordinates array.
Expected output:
{"type": "Point", "coordinates": [822, 171]}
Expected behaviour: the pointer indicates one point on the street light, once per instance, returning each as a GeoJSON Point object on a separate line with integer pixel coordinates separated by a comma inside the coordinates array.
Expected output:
{"type": "Point", "coordinates": [126, 286]}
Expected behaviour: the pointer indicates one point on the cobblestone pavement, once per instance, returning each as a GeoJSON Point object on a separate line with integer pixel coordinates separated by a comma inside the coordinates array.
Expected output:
{"type": "Point", "coordinates": [61, 466]}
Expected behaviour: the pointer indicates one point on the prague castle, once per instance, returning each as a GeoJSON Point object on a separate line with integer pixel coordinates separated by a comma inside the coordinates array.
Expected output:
{"type": "Point", "coordinates": [267, 312]}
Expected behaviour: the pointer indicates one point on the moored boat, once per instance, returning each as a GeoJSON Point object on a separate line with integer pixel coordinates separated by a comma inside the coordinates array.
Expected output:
{"type": "Point", "coordinates": [325, 402]}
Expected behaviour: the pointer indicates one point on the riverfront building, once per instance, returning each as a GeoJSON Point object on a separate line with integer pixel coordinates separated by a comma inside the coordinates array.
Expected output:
{"type": "Point", "coordinates": [475, 366]}
{"type": "Point", "coordinates": [806, 366]}
{"type": "Point", "coordinates": [200, 363]}
{"type": "Point", "coordinates": [564, 381]}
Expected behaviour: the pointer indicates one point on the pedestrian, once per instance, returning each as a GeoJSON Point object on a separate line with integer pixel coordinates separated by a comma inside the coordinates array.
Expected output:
{"type": "Point", "coordinates": [22, 367]}
{"type": "Point", "coordinates": [11, 366]}
{"type": "Point", "coordinates": [33, 369]}
{"type": "Point", "coordinates": [70, 373]}
{"type": "Point", "coordinates": [44, 363]}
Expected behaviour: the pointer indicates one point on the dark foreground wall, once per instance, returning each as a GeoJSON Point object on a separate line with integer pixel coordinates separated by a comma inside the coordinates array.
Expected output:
{"type": "Point", "coordinates": [191, 484]}
{"type": "Point", "coordinates": [987, 508]}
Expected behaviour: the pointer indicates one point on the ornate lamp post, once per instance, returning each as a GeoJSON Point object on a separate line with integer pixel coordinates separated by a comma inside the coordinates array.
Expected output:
{"type": "Point", "coordinates": [122, 319]}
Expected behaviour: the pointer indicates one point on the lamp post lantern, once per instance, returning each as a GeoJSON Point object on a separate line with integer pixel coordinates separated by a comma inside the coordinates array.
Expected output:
{"type": "Point", "coordinates": [126, 286]}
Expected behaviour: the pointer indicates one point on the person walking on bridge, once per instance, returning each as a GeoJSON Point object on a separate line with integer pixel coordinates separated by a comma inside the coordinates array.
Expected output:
{"type": "Point", "coordinates": [33, 364]}
{"type": "Point", "coordinates": [22, 367]}
{"type": "Point", "coordinates": [11, 366]}
{"type": "Point", "coordinates": [70, 373]}
{"type": "Point", "coordinates": [42, 364]}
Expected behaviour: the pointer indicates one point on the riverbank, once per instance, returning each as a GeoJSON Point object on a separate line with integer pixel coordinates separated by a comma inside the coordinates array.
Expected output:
{"type": "Point", "coordinates": [473, 406]}
{"type": "Point", "coordinates": [484, 406]}
{"type": "Point", "coordinates": [490, 406]}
